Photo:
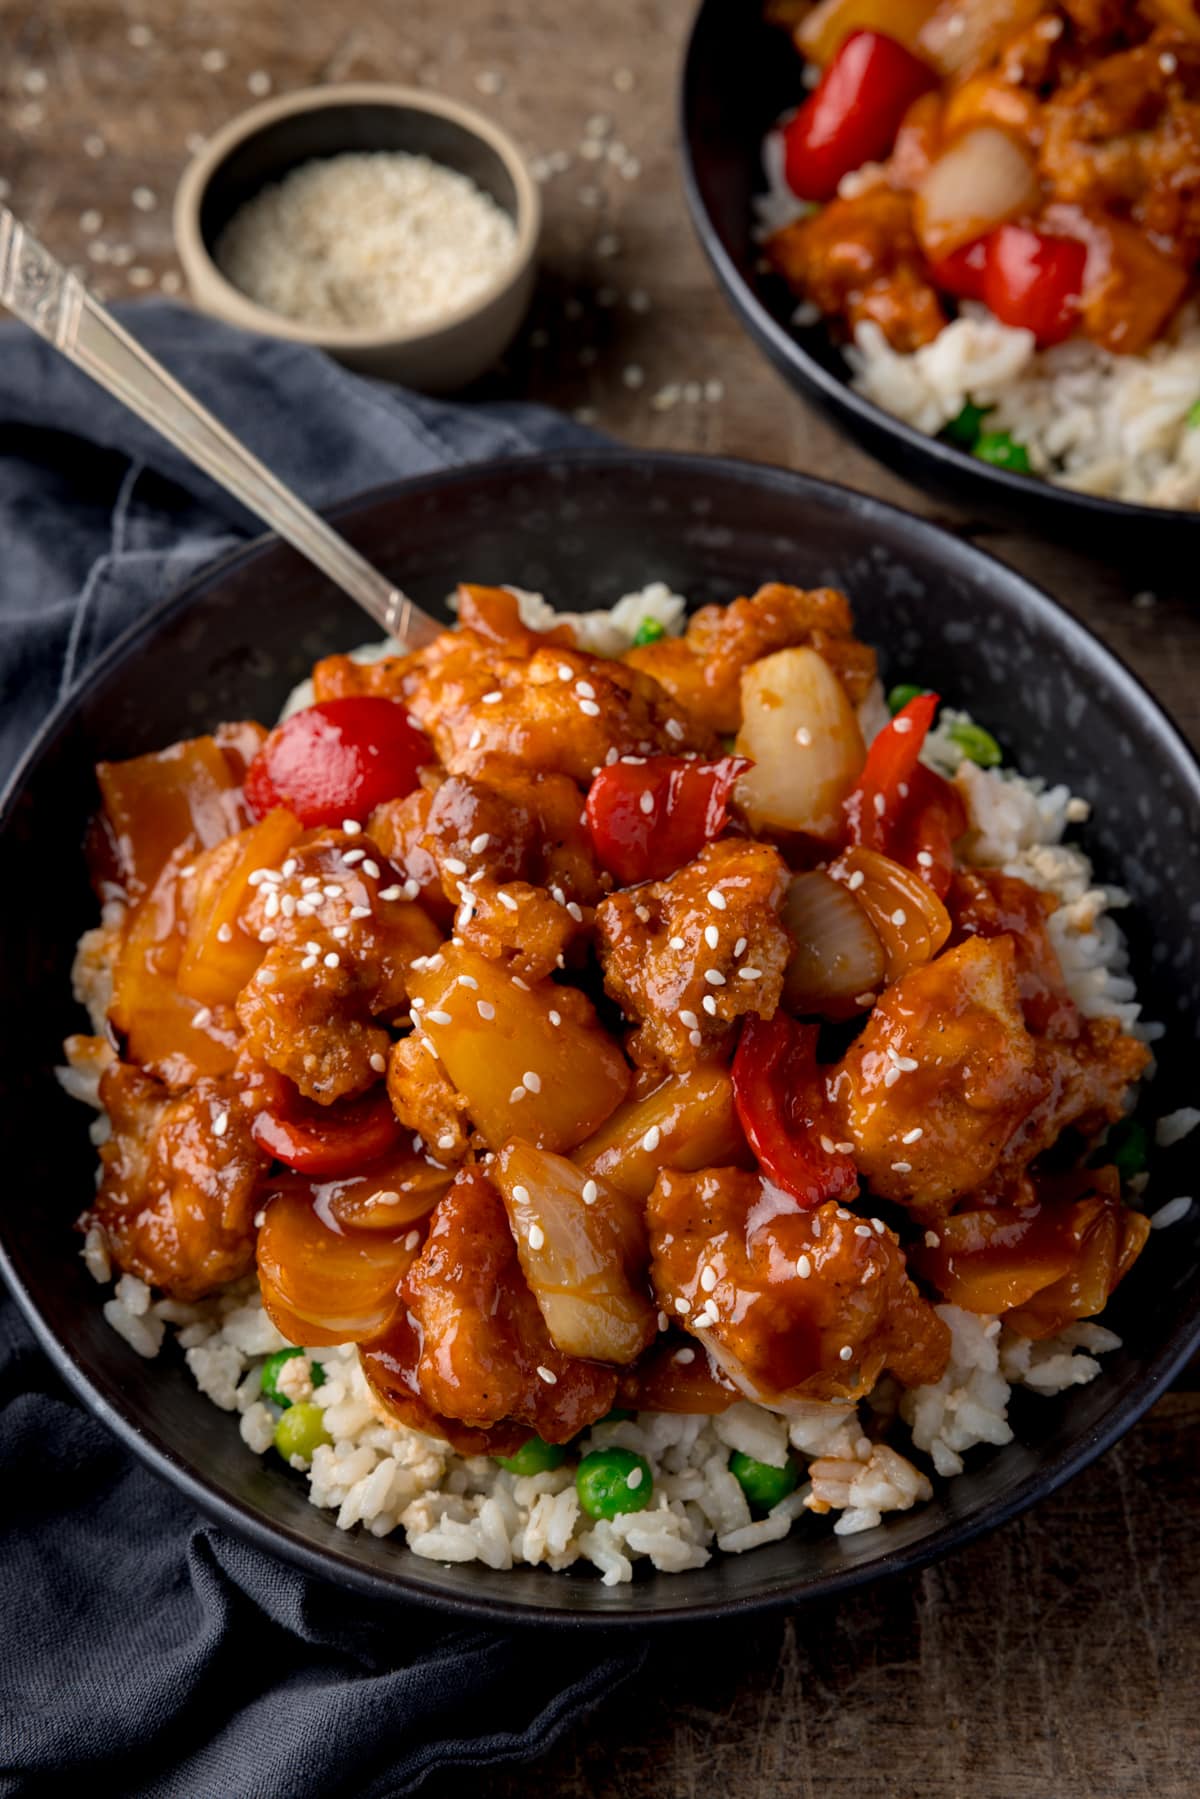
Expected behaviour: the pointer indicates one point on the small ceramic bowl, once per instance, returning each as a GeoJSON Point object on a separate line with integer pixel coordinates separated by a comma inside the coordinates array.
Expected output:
{"type": "Point", "coordinates": [265, 143]}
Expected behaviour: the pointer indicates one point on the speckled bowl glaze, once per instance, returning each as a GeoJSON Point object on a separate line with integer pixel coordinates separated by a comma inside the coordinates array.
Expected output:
{"type": "Point", "coordinates": [739, 75]}
{"type": "Point", "coordinates": [585, 529]}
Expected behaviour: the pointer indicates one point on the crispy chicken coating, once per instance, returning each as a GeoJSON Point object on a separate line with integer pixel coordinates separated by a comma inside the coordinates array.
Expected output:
{"type": "Point", "coordinates": [687, 957]}
{"type": "Point", "coordinates": [795, 1305]}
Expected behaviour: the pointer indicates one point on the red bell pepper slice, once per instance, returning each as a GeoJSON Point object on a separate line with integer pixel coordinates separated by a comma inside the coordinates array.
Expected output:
{"type": "Point", "coordinates": [1034, 281]}
{"type": "Point", "coordinates": [338, 759]}
{"type": "Point", "coordinates": [779, 1094]}
{"type": "Point", "coordinates": [646, 819]}
{"type": "Point", "coordinates": [963, 272]}
{"type": "Point", "coordinates": [328, 1140]}
{"type": "Point", "coordinates": [903, 809]}
{"type": "Point", "coordinates": [854, 113]}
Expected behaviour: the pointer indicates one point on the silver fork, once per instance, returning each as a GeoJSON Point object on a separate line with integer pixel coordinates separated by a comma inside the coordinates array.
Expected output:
{"type": "Point", "coordinates": [56, 304]}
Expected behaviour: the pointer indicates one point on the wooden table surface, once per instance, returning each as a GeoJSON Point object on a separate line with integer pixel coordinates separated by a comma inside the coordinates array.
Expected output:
{"type": "Point", "coordinates": [1060, 1658]}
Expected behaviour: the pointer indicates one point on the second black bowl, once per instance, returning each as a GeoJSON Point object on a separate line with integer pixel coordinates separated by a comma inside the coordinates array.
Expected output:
{"type": "Point", "coordinates": [739, 75]}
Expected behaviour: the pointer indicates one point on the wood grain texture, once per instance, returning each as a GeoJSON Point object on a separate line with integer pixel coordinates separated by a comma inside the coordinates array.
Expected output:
{"type": "Point", "coordinates": [1058, 1659]}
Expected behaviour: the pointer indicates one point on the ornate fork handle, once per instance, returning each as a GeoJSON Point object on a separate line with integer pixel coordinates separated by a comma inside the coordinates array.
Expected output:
{"type": "Point", "coordinates": [39, 291]}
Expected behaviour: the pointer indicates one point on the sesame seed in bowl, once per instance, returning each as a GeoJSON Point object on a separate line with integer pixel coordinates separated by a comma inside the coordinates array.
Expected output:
{"type": "Point", "coordinates": [394, 229]}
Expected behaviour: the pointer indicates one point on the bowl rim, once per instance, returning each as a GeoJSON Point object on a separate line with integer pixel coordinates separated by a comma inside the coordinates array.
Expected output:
{"type": "Point", "coordinates": [406, 1584]}
{"type": "Point", "coordinates": [234, 305]}
{"type": "Point", "coordinates": [789, 355]}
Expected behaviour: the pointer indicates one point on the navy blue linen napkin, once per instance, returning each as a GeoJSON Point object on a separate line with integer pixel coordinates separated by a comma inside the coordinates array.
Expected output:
{"type": "Point", "coordinates": [143, 1650]}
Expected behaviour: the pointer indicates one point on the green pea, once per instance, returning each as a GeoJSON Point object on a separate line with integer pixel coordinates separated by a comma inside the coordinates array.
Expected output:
{"type": "Point", "coordinates": [534, 1457]}
{"type": "Point", "coordinates": [649, 631]}
{"type": "Point", "coordinates": [1193, 417]}
{"type": "Point", "coordinates": [976, 744]}
{"type": "Point", "coordinates": [270, 1375]}
{"type": "Point", "coordinates": [611, 1481]}
{"type": "Point", "coordinates": [301, 1432]}
{"type": "Point", "coordinates": [1001, 449]}
{"type": "Point", "coordinates": [967, 428]}
{"type": "Point", "coordinates": [763, 1485]}
{"type": "Point", "coordinates": [1126, 1148]}
{"type": "Point", "coordinates": [899, 697]}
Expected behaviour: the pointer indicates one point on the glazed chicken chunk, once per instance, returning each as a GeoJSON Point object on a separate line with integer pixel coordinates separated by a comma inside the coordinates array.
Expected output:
{"type": "Point", "coordinates": [702, 670]}
{"type": "Point", "coordinates": [179, 1178]}
{"type": "Point", "coordinates": [794, 1304]}
{"type": "Point", "coordinates": [687, 957]}
{"type": "Point", "coordinates": [485, 1351]}
{"type": "Point", "coordinates": [943, 1076]}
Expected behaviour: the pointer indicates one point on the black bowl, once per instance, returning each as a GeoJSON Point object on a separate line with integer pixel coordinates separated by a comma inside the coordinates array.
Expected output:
{"type": "Point", "coordinates": [739, 75]}
{"type": "Point", "coordinates": [584, 529]}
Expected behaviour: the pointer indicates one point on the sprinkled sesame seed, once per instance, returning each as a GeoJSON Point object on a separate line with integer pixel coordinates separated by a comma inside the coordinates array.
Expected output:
{"type": "Point", "coordinates": [676, 943]}
{"type": "Point", "coordinates": [340, 932]}
{"type": "Point", "coordinates": [712, 936]}
{"type": "Point", "coordinates": [585, 690]}
{"type": "Point", "coordinates": [695, 1038]}
{"type": "Point", "coordinates": [591, 1193]}
{"type": "Point", "coordinates": [803, 736]}
{"type": "Point", "coordinates": [749, 974]}
{"type": "Point", "coordinates": [879, 804]}
{"type": "Point", "coordinates": [674, 729]}
{"type": "Point", "coordinates": [590, 708]}
{"type": "Point", "coordinates": [372, 869]}
{"type": "Point", "coordinates": [537, 1236]}
{"type": "Point", "coordinates": [845, 1352]}
{"type": "Point", "coordinates": [708, 1279]}
{"type": "Point", "coordinates": [902, 726]}
{"type": "Point", "coordinates": [518, 982]}
{"type": "Point", "coordinates": [804, 1267]}
{"type": "Point", "coordinates": [506, 900]}
{"type": "Point", "coordinates": [652, 1139]}
{"type": "Point", "coordinates": [863, 1230]}
{"type": "Point", "coordinates": [412, 1239]}
{"type": "Point", "coordinates": [634, 1478]}
{"type": "Point", "coordinates": [309, 962]}
{"type": "Point", "coordinates": [684, 1356]}
{"type": "Point", "coordinates": [565, 672]}
{"type": "Point", "coordinates": [202, 1017]}
{"type": "Point", "coordinates": [716, 899]}
{"type": "Point", "coordinates": [646, 803]}
{"type": "Point", "coordinates": [516, 1094]}
{"type": "Point", "coordinates": [901, 1167]}
{"type": "Point", "coordinates": [378, 1062]}
{"type": "Point", "coordinates": [308, 882]}
{"type": "Point", "coordinates": [681, 1306]}
{"type": "Point", "coordinates": [220, 1124]}
{"type": "Point", "coordinates": [932, 1240]}
{"type": "Point", "coordinates": [891, 1076]}
{"type": "Point", "coordinates": [899, 916]}
{"type": "Point", "coordinates": [351, 827]}
{"type": "Point", "coordinates": [710, 1005]}
{"type": "Point", "coordinates": [475, 739]}
{"type": "Point", "coordinates": [454, 866]}
{"type": "Point", "coordinates": [333, 960]}
{"type": "Point", "coordinates": [856, 880]}
{"type": "Point", "coordinates": [689, 1019]}
{"type": "Point", "coordinates": [864, 999]}
{"type": "Point", "coordinates": [555, 1018]}
{"type": "Point", "coordinates": [360, 911]}
{"type": "Point", "coordinates": [439, 1017]}
{"type": "Point", "coordinates": [915, 1135]}
{"type": "Point", "coordinates": [548, 1375]}
{"type": "Point", "coordinates": [493, 698]}
{"type": "Point", "coordinates": [532, 1081]}
{"type": "Point", "coordinates": [225, 934]}
{"type": "Point", "coordinates": [574, 911]}
{"type": "Point", "coordinates": [924, 859]}
{"type": "Point", "coordinates": [715, 978]}
{"type": "Point", "coordinates": [844, 1149]}
{"type": "Point", "coordinates": [353, 857]}
{"type": "Point", "coordinates": [480, 843]}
